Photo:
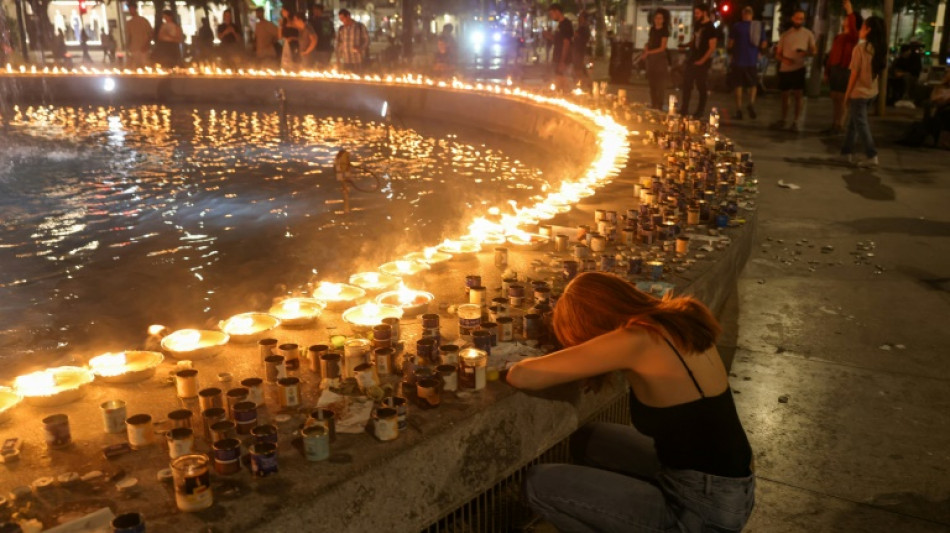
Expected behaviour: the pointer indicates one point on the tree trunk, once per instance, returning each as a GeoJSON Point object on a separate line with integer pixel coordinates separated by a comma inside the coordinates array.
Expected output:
{"type": "Point", "coordinates": [821, 23]}
{"type": "Point", "coordinates": [882, 91]}
{"type": "Point", "coordinates": [600, 45]}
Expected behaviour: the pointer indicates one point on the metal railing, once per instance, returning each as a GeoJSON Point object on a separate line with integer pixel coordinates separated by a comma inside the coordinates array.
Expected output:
{"type": "Point", "coordinates": [502, 508]}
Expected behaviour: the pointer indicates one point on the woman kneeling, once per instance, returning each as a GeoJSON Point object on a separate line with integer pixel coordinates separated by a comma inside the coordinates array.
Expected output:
{"type": "Point", "coordinates": [687, 464]}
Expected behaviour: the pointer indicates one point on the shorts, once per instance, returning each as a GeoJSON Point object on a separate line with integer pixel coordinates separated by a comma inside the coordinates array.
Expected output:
{"type": "Point", "coordinates": [792, 80]}
{"type": "Point", "coordinates": [838, 78]}
{"type": "Point", "coordinates": [744, 77]}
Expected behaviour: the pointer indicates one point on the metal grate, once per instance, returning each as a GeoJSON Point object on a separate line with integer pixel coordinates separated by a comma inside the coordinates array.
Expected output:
{"type": "Point", "coordinates": [502, 508]}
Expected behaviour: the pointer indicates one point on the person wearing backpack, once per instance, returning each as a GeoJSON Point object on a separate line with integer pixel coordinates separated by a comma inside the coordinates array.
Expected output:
{"type": "Point", "coordinates": [868, 61]}
{"type": "Point", "coordinates": [745, 42]}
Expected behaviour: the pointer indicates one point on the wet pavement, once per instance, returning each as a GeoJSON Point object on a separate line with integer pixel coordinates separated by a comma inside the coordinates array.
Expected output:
{"type": "Point", "coordinates": [841, 370]}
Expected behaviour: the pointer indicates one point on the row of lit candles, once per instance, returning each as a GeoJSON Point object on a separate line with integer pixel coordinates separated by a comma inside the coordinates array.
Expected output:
{"type": "Point", "coordinates": [63, 384]}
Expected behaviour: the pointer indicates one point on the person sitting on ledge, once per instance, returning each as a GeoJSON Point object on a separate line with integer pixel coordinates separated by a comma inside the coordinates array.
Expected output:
{"type": "Point", "coordinates": [687, 464]}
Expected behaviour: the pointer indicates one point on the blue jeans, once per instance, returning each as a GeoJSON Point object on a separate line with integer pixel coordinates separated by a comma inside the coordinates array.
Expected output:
{"type": "Point", "coordinates": [624, 488]}
{"type": "Point", "coordinates": [858, 125]}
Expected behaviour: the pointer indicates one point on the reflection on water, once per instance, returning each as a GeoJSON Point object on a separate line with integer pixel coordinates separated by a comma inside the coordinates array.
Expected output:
{"type": "Point", "coordinates": [117, 218]}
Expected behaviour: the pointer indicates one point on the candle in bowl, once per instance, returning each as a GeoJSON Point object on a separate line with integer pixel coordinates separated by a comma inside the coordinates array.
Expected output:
{"type": "Point", "coordinates": [527, 241]}
{"type": "Point", "coordinates": [460, 249]}
{"type": "Point", "coordinates": [9, 399]}
{"type": "Point", "coordinates": [412, 302]}
{"type": "Point", "coordinates": [195, 344]}
{"type": "Point", "coordinates": [297, 311]}
{"type": "Point", "coordinates": [362, 318]}
{"type": "Point", "coordinates": [53, 386]}
{"type": "Point", "coordinates": [488, 240]}
{"type": "Point", "coordinates": [125, 367]}
{"type": "Point", "coordinates": [373, 282]}
{"type": "Point", "coordinates": [430, 256]}
{"type": "Point", "coordinates": [338, 295]}
{"type": "Point", "coordinates": [249, 327]}
{"type": "Point", "coordinates": [403, 268]}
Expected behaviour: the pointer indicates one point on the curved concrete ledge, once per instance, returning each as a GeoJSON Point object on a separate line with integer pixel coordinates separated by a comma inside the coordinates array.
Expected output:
{"type": "Point", "coordinates": [448, 455]}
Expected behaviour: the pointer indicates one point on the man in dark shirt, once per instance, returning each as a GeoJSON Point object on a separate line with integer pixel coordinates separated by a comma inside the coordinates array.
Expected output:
{"type": "Point", "coordinates": [699, 59]}
{"type": "Point", "coordinates": [562, 46]}
{"type": "Point", "coordinates": [326, 36]}
{"type": "Point", "coordinates": [232, 41]}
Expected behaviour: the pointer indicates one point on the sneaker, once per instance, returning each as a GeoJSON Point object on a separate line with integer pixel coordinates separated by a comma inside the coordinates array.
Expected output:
{"type": "Point", "coordinates": [751, 111]}
{"type": "Point", "coordinates": [869, 162]}
{"type": "Point", "coordinates": [737, 115]}
{"type": "Point", "coordinates": [847, 159]}
{"type": "Point", "coordinates": [794, 127]}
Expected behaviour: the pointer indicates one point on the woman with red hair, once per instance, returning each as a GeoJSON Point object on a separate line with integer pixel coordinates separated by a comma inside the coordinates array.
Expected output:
{"type": "Point", "coordinates": [685, 464]}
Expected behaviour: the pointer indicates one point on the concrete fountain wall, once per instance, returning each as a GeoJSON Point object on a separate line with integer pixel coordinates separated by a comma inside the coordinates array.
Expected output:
{"type": "Point", "coordinates": [549, 128]}
{"type": "Point", "coordinates": [449, 454]}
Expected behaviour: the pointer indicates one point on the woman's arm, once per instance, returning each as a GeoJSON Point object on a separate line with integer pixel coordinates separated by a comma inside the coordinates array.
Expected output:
{"type": "Point", "coordinates": [616, 350]}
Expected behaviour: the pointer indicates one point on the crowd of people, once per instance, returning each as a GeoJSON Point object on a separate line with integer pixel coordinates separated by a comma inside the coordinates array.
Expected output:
{"type": "Point", "coordinates": [299, 40]}
{"type": "Point", "coordinates": [853, 67]}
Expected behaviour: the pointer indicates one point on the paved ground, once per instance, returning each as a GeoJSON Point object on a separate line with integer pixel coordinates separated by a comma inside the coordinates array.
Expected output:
{"type": "Point", "coordinates": [842, 367]}
{"type": "Point", "coordinates": [855, 338]}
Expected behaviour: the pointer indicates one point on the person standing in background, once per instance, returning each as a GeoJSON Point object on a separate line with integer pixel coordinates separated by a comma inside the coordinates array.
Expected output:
{"type": "Point", "coordinates": [745, 41]}
{"type": "Point", "coordinates": [231, 39]}
{"type": "Point", "coordinates": [797, 43]}
{"type": "Point", "coordinates": [657, 59]}
{"type": "Point", "coordinates": [265, 41]}
{"type": "Point", "coordinates": [868, 61]}
{"type": "Point", "coordinates": [168, 43]}
{"type": "Point", "coordinates": [138, 38]}
{"type": "Point", "coordinates": [838, 66]}
{"type": "Point", "coordinates": [698, 60]}
{"type": "Point", "coordinates": [562, 38]}
{"type": "Point", "coordinates": [326, 35]}
{"type": "Point", "coordinates": [308, 41]}
{"type": "Point", "coordinates": [579, 52]}
{"type": "Point", "coordinates": [204, 41]}
{"type": "Point", "coordinates": [352, 43]}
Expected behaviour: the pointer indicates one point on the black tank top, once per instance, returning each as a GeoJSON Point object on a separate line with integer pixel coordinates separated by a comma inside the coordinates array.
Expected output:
{"type": "Point", "coordinates": [703, 435]}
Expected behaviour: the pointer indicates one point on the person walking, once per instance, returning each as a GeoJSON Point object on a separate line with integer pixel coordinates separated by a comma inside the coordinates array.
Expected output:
{"type": "Point", "coordinates": [797, 43]}
{"type": "Point", "coordinates": [168, 43]}
{"type": "Point", "coordinates": [699, 59]}
{"type": "Point", "coordinates": [868, 61]}
{"type": "Point", "coordinates": [657, 58]}
{"type": "Point", "coordinates": [326, 36]}
{"type": "Point", "coordinates": [108, 47]}
{"type": "Point", "coordinates": [562, 38]}
{"type": "Point", "coordinates": [838, 65]}
{"type": "Point", "coordinates": [352, 43]}
{"type": "Point", "coordinates": [745, 42]}
{"type": "Point", "coordinates": [138, 38]}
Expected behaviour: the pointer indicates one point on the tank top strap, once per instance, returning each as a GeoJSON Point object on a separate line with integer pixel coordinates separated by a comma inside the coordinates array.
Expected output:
{"type": "Point", "coordinates": [688, 371]}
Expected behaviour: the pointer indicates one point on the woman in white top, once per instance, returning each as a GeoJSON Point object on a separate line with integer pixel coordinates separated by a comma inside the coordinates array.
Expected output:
{"type": "Point", "coordinates": [867, 63]}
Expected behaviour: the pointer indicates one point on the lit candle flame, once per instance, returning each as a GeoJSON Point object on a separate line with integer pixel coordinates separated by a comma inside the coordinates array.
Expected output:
{"type": "Point", "coordinates": [183, 340]}
{"type": "Point", "coordinates": [241, 325]}
{"type": "Point", "coordinates": [330, 290]}
{"type": "Point", "coordinates": [40, 383]}
{"type": "Point", "coordinates": [109, 364]}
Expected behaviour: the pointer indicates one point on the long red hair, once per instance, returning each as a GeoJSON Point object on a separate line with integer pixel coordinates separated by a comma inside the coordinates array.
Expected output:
{"type": "Point", "coordinates": [595, 303]}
